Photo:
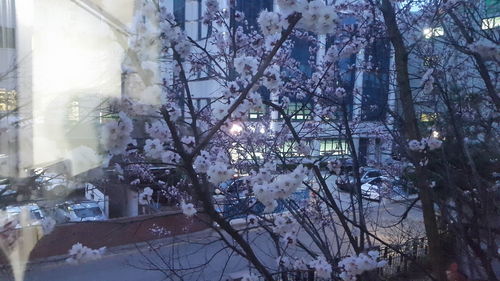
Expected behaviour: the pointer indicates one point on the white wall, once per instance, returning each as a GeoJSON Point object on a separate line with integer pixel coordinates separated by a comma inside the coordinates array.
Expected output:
{"type": "Point", "coordinates": [94, 194]}
{"type": "Point", "coordinates": [68, 51]}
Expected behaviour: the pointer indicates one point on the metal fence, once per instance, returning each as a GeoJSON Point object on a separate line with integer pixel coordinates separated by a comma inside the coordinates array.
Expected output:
{"type": "Point", "coordinates": [404, 258]}
{"type": "Point", "coordinates": [400, 259]}
{"type": "Point", "coordinates": [295, 276]}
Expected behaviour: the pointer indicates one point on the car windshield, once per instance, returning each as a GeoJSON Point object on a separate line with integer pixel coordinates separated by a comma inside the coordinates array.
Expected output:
{"type": "Point", "coordinates": [36, 215]}
{"type": "Point", "coordinates": [373, 174]}
{"type": "Point", "coordinates": [225, 185]}
{"type": "Point", "coordinates": [236, 186]}
{"type": "Point", "coordinates": [380, 182]}
{"type": "Point", "coordinates": [88, 212]}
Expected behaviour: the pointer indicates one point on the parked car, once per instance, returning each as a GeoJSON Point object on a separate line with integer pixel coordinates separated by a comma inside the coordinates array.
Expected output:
{"type": "Point", "coordinates": [370, 174]}
{"type": "Point", "coordinates": [72, 211]}
{"type": "Point", "coordinates": [233, 186]}
{"type": "Point", "coordinates": [36, 214]}
{"type": "Point", "coordinates": [403, 188]}
{"type": "Point", "coordinates": [53, 183]}
{"type": "Point", "coordinates": [345, 163]}
{"type": "Point", "coordinates": [231, 192]}
{"type": "Point", "coordinates": [374, 188]}
{"type": "Point", "coordinates": [7, 193]}
{"type": "Point", "coordinates": [235, 200]}
{"type": "Point", "coordinates": [346, 182]}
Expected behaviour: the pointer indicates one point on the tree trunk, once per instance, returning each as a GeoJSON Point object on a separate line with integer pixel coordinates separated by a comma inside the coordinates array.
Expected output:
{"type": "Point", "coordinates": [412, 133]}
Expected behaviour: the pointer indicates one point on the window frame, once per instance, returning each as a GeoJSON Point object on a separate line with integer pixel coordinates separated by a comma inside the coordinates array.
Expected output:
{"type": "Point", "coordinates": [7, 37]}
{"type": "Point", "coordinates": [299, 112]}
{"type": "Point", "coordinates": [337, 147]}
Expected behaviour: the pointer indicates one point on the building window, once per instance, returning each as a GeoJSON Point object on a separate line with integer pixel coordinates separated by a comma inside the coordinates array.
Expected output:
{"type": "Point", "coordinates": [376, 81]}
{"type": "Point", "coordinates": [74, 111]}
{"type": "Point", "coordinates": [180, 12]}
{"type": "Point", "coordinates": [193, 11]}
{"type": "Point", "coordinates": [199, 9]}
{"type": "Point", "coordinates": [7, 23]}
{"type": "Point", "coordinates": [346, 67]}
{"type": "Point", "coordinates": [201, 104]}
{"type": "Point", "coordinates": [238, 153]}
{"type": "Point", "coordinates": [289, 149]}
{"type": "Point", "coordinates": [333, 147]}
{"type": "Point", "coordinates": [492, 8]}
{"type": "Point", "coordinates": [7, 100]}
{"type": "Point", "coordinates": [301, 54]}
{"type": "Point", "coordinates": [256, 115]}
{"type": "Point", "coordinates": [490, 23]}
{"type": "Point", "coordinates": [7, 38]}
{"type": "Point", "coordinates": [433, 32]}
{"type": "Point", "coordinates": [428, 117]}
{"type": "Point", "coordinates": [298, 111]}
{"type": "Point", "coordinates": [252, 9]}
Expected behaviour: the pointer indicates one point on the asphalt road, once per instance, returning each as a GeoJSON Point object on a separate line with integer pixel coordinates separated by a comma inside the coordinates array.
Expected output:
{"type": "Point", "coordinates": [199, 256]}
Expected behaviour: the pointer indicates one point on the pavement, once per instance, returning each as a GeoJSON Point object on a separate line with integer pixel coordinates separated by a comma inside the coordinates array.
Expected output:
{"type": "Point", "coordinates": [203, 255]}
{"type": "Point", "coordinates": [198, 256]}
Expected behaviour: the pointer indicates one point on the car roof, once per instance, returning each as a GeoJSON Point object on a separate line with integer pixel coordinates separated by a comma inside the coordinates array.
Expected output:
{"type": "Point", "coordinates": [81, 204]}
{"type": "Point", "coordinates": [379, 178]}
{"type": "Point", "coordinates": [371, 169]}
{"type": "Point", "coordinates": [8, 192]}
{"type": "Point", "coordinates": [17, 208]}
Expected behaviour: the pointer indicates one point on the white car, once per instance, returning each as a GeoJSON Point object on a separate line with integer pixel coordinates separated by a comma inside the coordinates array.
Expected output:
{"type": "Point", "coordinates": [71, 211]}
{"type": "Point", "coordinates": [36, 214]}
{"type": "Point", "coordinates": [373, 188]}
{"type": "Point", "coordinates": [370, 174]}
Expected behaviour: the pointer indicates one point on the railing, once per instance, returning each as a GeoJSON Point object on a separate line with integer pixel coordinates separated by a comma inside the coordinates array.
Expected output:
{"type": "Point", "coordinates": [407, 255]}
{"type": "Point", "coordinates": [398, 261]}
{"type": "Point", "coordinates": [306, 275]}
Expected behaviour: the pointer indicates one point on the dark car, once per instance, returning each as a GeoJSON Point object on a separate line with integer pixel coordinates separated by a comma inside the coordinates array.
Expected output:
{"type": "Point", "coordinates": [236, 200]}
{"type": "Point", "coordinates": [345, 183]}
{"type": "Point", "coordinates": [376, 188]}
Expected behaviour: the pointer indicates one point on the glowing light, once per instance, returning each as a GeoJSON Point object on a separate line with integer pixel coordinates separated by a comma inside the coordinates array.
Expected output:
{"type": "Point", "coordinates": [490, 23]}
{"type": "Point", "coordinates": [262, 130]}
{"type": "Point", "coordinates": [236, 129]}
{"type": "Point", "coordinates": [433, 32]}
{"type": "Point", "coordinates": [435, 134]}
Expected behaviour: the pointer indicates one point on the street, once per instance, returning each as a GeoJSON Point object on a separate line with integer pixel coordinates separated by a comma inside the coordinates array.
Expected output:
{"type": "Point", "coordinates": [200, 256]}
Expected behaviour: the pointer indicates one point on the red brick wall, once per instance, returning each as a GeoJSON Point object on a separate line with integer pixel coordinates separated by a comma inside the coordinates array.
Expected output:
{"type": "Point", "coordinates": [113, 232]}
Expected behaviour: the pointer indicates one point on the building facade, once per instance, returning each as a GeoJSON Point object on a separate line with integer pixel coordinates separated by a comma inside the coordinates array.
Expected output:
{"type": "Point", "coordinates": [68, 58]}
{"type": "Point", "coordinates": [368, 107]}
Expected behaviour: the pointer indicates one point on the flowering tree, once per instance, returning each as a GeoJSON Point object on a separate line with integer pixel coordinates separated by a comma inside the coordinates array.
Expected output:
{"type": "Point", "coordinates": [458, 54]}
{"type": "Point", "coordinates": [158, 122]}
{"type": "Point", "coordinates": [210, 144]}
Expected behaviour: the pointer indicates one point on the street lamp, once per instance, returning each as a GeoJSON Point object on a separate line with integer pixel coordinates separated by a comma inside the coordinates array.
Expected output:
{"type": "Point", "coordinates": [236, 129]}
